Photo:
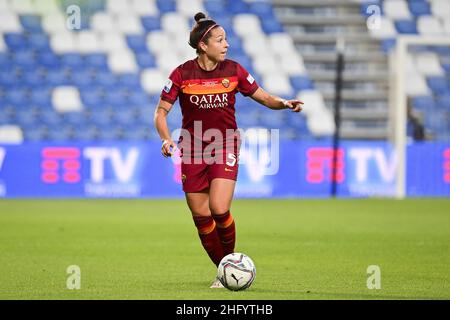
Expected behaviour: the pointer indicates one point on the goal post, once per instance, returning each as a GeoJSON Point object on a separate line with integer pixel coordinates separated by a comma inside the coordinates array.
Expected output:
{"type": "Point", "coordinates": [398, 100]}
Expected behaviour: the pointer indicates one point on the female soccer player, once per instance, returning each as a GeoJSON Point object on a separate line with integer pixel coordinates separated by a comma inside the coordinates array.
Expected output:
{"type": "Point", "coordinates": [209, 143]}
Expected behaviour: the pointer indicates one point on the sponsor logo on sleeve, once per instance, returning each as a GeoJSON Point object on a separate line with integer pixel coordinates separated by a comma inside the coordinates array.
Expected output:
{"type": "Point", "coordinates": [168, 86]}
{"type": "Point", "coordinates": [250, 79]}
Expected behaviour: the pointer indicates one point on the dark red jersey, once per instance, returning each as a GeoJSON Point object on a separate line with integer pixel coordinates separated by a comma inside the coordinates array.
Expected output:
{"type": "Point", "coordinates": [208, 96]}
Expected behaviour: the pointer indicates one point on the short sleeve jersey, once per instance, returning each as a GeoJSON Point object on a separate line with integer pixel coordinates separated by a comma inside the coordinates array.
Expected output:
{"type": "Point", "coordinates": [208, 96]}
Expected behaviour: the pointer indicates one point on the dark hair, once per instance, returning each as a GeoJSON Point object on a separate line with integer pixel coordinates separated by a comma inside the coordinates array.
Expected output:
{"type": "Point", "coordinates": [200, 30]}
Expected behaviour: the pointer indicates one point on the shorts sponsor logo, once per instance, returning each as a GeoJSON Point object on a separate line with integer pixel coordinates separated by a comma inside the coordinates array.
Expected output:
{"type": "Point", "coordinates": [183, 178]}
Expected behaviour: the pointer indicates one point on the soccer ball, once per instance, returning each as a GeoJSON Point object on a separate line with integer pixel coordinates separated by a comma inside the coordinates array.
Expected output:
{"type": "Point", "coordinates": [236, 271]}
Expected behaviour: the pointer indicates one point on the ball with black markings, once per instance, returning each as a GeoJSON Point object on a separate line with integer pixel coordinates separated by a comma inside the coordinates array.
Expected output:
{"type": "Point", "coordinates": [236, 271]}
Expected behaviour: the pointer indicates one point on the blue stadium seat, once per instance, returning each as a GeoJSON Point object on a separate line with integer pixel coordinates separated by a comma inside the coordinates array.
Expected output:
{"type": "Point", "coordinates": [18, 98]}
{"type": "Point", "coordinates": [5, 61]}
{"type": "Point", "coordinates": [419, 7]}
{"type": "Point", "coordinates": [234, 41]}
{"type": "Point", "coordinates": [49, 60]}
{"type": "Point", "coordinates": [97, 60]}
{"type": "Point", "coordinates": [31, 23]}
{"type": "Point", "coordinates": [273, 120]}
{"type": "Point", "coordinates": [126, 116]}
{"type": "Point", "coordinates": [35, 133]}
{"type": "Point", "coordinates": [226, 21]}
{"type": "Point", "coordinates": [301, 83]}
{"type": "Point", "coordinates": [116, 99]}
{"type": "Point", "coordinates": [138, 43]}
{"type": "Point", "coordinates": [406, 26]}
{"type": "Point", "coordinates": [16, 41]}
{"type": "Point", "coordinates": [39, 42]}
{"type": "Point", "coordinates": [41, 97]}
{"type": "Point", "coordinates": [86, 132]}
{"type": "Point", "coordinates": [73, 60]}
{"type": "Point", "coordinates": [443, 101]}
{"type": "Point", "coordinates": [424, 103]}
{"type": "Point", "coordinates": [92, 98]}
{"type": "Point", "coordinates": [145, 60]}
{"type": "Point", "coordinates": [238, 6]}
{"type": "Point", "coordinates": [129, 81]}
{"type": "Point", "coordinates": [165, 6]}
{"type": "Point", "coordinates": [214, 7]}
{"type": "Point", "coordinates": [58, 77]}
{"type": "Point", "coordinates": [82, 79]}
{"type": "Point", "coordinates": [50, 117]}
{"type": "Point", "coordinates": [139, 98]}
{"type": "Point", "coordinates": [76, 119]}
{"type": "Point", "coordinates": [439, 85]}
{"type": "Point", "coordinates": [388, 44]}
{"type": "Point", "coordinates": [25, 118]}
{"type": "Point", "coordinates": [106, 79]}
{"type": "Point", "coordinates": [24, 59]}
{"type": "Point", "coordinates": [262, 9]}
{"type": "Point", "coordinates": [151, 23]}
{"type": "Point", "coordinates": [272, 26]}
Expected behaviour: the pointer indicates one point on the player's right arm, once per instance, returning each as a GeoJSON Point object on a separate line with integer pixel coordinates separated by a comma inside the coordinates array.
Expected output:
{"type": "Point", "coordinates": [160, 121]}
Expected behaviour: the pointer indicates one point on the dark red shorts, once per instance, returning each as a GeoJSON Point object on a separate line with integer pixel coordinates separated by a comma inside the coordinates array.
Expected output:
{"type": "Point", "coordinates": [198, 176]}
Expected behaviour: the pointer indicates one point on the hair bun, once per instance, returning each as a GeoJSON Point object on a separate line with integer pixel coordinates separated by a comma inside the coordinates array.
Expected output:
{"type": "Point", "coordinates": [199, 16]}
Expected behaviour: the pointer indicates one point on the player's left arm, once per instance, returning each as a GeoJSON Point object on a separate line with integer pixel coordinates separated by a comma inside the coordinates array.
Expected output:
{"type": "Point", "coordinates": [274, 102]}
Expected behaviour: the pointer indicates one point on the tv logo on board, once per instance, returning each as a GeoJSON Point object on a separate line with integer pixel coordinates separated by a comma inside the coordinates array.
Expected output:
{"type": "Point", "coordinates": [366, 171]}
{"type": "Point", "coordinates": [320, 166]}
{"type": "Point", "coordinates": [112, 172]}
{"type": "Point", "coordinates": [60, 163]}
{"type": "Point", "coordinates": [2, 158]}
{"type": "Point", "coordinates": [446, 165]}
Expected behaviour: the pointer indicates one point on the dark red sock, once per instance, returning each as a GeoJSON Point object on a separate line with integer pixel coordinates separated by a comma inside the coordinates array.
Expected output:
{"type": "Point", "coordinates": [227, 231]}
{"type": "Point", "coordinates": [209, 237]}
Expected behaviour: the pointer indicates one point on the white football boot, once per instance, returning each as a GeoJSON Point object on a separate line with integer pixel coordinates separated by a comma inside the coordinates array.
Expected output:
{"type": "Point", "coordinates": [216, 284]}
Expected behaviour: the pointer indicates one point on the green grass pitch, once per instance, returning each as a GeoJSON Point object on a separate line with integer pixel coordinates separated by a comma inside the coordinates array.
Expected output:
{"type": "Point", "coordinates": [149, 249]}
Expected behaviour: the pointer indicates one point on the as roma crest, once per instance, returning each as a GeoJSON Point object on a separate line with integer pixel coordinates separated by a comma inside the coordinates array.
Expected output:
{"type": "Point", "coordinates": [226, 83]}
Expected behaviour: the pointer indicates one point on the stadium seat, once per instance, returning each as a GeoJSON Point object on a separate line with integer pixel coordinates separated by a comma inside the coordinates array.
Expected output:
{"type": "Point", "coordinates": [396, 9]}
{"type": "Point", "coordinates": [122, 61]}
{"type": "Point", "coordinates": [429, 25]}
{"type": "Point", "coordinates": [129, 23]}
{"type": "Point", "coordinates": [144, 7]}
{"type": "Point", "coordinates": [406, 26]}
{"type": "Point", "coordinates": [10, 22]}
{"type": "Point", "coordinates": [428, 64]}
{"type": "Point", "coordinates": [66, 99]}
{"type": "Point", "coordinates": [386, 30]}
{"type": "Point", "coordinates": [153, 80]}
{"type": "Point", "coordinates": [438, 84]}
{"type": "Point", "coordinates": [301, 83]}
{"type": "Point", "coordinates": [11, 134]}
{"type": "Point", "coordinates": [419, 7]}
{"type": "Point", "coordinates": [165, 6]}
{"type": "Point", "coordinates": [416, 85]}
{"type": "Point", "coordinates": [440, 8]}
